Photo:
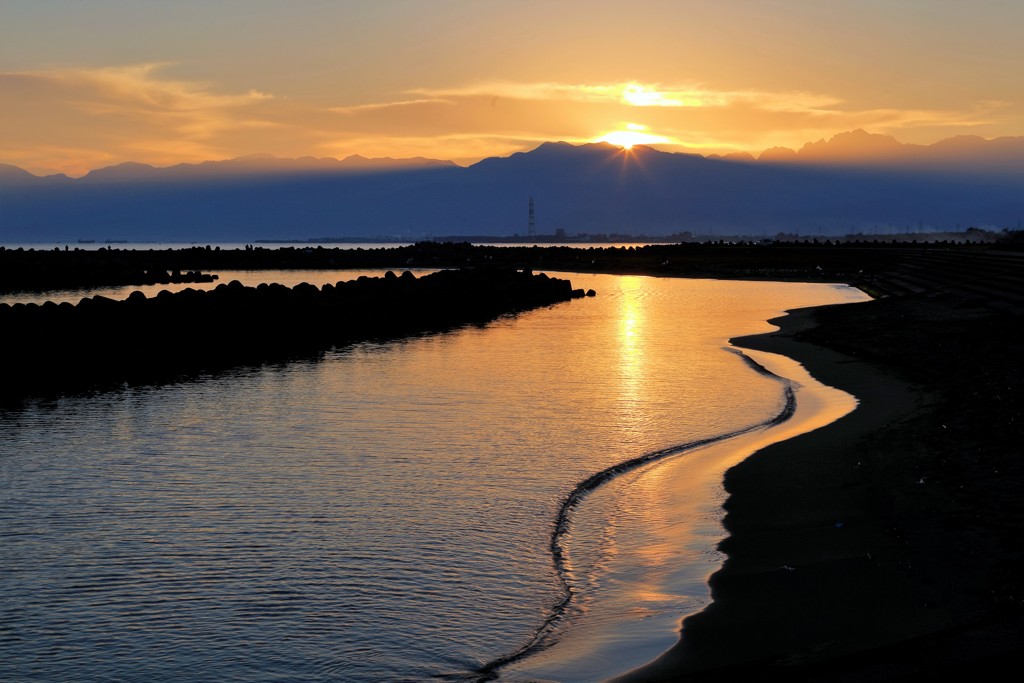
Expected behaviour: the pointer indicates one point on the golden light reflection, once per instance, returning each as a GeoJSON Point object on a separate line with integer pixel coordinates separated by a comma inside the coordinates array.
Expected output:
{"type": "Point", "coordinates": [632, 319]}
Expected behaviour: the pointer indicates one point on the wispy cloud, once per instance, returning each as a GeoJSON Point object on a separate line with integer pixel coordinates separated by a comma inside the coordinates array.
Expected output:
{"type": "Point", "coordinates": [894, 119]}
{"type": "Point", "coordinates": [189, 108]}
{"type": "Point", "coordinates": [635, 94]}
{"type": "Point", "coordinates": [125, 110]}
{"type": "Point", "coordinates": [71, 120]}
{"type": "Point", "coordinates": [360, 108]}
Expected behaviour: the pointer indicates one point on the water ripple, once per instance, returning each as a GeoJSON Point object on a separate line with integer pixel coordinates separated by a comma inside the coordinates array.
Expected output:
{"type": "Point", "coordinates": [384, 514]}
{"type": "Point", "coordinates": [558, 545]}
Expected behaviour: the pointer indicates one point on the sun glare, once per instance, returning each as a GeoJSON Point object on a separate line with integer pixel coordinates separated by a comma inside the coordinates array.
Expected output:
{"type": "Point", "coordinates": [634, 134]}
{"type": "Point", "coordinates": [645, 96]}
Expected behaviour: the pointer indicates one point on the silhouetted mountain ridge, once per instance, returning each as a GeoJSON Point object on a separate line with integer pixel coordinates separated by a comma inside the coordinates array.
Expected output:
{"type": "Point", "coordinates": [592, 188]}
{"type": "Point", "coordinates": [13, 174]}
{"type": "Point", "coordinates": [254, 165]}
{"type": "Point", "coordinates": [858, 147]}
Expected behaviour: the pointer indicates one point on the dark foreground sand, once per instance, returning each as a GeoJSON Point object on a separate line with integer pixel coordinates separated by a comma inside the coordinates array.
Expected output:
{"type": "Point", "coordinates": [888, 545]}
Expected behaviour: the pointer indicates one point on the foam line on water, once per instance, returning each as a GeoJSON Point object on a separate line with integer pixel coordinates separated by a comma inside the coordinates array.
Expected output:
{"type": "Point", "coordinates": [542, 636]}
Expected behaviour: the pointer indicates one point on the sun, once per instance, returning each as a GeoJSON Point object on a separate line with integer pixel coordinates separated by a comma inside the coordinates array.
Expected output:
{"type": "Point", "coordinates": [626, 138]}
{"type": "Point", "coordinates": [634, 134]}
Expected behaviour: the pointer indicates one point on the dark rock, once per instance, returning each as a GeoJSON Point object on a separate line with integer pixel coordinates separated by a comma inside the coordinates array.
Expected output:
{"type": "Point", "coordinates": [198, 330]}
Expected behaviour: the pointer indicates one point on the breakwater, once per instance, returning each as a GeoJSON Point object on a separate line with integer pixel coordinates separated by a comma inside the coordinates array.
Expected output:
{"type": "Point", "coordinates": [882, 267]}
{"type": "Point", "coordinates": [52, 348]}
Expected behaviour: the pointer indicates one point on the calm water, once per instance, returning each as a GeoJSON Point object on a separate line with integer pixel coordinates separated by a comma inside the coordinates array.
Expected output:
{"type": "Point", "coordinates": [249, 278]}
{"type": "Point", "coordinates": [386, 513]}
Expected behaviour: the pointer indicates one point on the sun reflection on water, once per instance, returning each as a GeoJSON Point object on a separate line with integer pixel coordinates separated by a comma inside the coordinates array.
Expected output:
{"type": "Point", "coordinates": [632, 370]}
{"type": "Point", "coordinates": [397, 495]}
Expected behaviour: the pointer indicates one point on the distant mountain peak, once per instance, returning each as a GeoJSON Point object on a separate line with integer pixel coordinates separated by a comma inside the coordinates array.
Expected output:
{"type": "Point", "coordinates": [777, 154]}
{"type": "Point", "coordinates": [860, 136]}
{"type": "Point", "coordinates": [855, 148]}
{"type": "Point", "coordinates": [247, 165]}
{"type": "Point", "coordinates": [9, 173]}
{"type": "Point", "coordinates": [128, 170]}
{"type": "Point", "coordinates": [256, 156]}
{"type": "Point", "coordinates": [851, 144]}
{"type": "Point", "coordinates": [745, 157]}
{"type": "Point", "coordinates": [594, 187]}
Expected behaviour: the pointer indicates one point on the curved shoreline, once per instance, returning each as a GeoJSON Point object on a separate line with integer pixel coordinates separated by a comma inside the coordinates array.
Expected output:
{"type": "Point", "coordinates": [537, 640]}
{"type": "Point", "coordinates": [802, 524]}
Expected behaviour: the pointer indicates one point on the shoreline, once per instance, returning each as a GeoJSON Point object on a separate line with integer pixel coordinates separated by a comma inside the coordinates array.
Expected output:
{"type": "Point", "coordinates": [865, 264]}
{"type": "Point", "coordinates": [838, 565]}
{"type": "Point", "coordinates": [778, 570]}
{"type": "Point", "coordinates": [691, 523]}
{"type": "Point", "coordinates": [925, 574]}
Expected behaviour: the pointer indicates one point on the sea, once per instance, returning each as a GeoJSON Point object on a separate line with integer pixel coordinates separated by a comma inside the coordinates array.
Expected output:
{"type": "Point", "coordinates": [409, 510]}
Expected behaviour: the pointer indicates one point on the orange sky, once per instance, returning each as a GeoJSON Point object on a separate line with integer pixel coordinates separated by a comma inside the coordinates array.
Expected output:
{"type": "Point", "coordinates": [89, 84]}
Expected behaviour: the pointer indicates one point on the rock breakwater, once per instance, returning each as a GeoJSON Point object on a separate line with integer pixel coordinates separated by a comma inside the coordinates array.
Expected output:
{"type": "Point", "coordinates": [51, 348]}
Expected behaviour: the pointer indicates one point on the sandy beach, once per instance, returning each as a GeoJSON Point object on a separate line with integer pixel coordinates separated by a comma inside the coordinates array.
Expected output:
{"type": "Point", "coordinates": [881, 547]}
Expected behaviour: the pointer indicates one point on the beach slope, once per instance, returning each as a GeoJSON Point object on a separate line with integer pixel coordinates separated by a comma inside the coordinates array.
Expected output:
{"type": "Point", "coordinates": [885, 545]}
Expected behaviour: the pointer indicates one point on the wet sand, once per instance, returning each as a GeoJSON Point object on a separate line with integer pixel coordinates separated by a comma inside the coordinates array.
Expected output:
{"type": "Point", "coordinates": [676, 520]}
{"type": "Point", "coordinates": [884, 546]}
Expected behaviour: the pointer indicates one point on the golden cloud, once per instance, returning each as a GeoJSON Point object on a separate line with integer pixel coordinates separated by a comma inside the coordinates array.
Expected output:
{"type": "Point", "coordinates": [636, 94]}
{"type": "Point", "coordinates": [71, 120]}
{"type": "Point", "coordinates": [122, 111]}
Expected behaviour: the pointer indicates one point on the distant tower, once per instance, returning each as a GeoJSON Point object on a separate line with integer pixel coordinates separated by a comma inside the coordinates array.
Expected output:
{"type": "Point", "coordinates": [532, 225]}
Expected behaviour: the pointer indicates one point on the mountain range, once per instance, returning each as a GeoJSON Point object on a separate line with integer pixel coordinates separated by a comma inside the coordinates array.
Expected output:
{"type": "Point", "coordinates": [854, 182]}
